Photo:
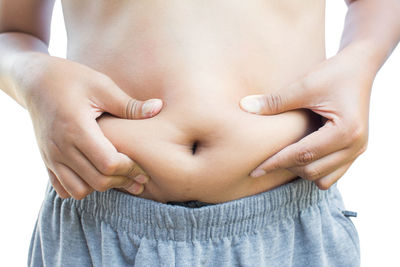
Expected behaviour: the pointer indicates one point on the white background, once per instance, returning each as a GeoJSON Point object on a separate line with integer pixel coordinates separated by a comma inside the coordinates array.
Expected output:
{"type": "Point", "coordinates": [370, 186]}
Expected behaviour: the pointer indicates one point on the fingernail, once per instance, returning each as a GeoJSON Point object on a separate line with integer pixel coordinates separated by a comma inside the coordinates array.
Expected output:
{"type": "Point", "coordinates": [141, 178]}
{"type": "Point", "coordinates": [251, 103]}
{"type": "Point", "coordinates": [136, 188]}
{"type": "Point", "coordinates": [150, 106]}
{"type": "Point", "coordinates": [257, 173]}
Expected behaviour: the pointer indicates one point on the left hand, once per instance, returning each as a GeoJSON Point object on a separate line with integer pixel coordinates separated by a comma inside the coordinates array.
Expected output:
{"type": "Point", "coordinates": [339, 90]}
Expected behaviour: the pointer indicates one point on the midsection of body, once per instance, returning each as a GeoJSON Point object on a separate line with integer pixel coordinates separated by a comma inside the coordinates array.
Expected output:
{"type": "Point", "coordinates": [201, 58]}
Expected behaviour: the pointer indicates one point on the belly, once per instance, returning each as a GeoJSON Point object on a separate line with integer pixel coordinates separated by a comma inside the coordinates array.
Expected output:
{"type": "Point", "coordinates": [201, 59]}
{"type": "Point", "coordinates": [199, 151]}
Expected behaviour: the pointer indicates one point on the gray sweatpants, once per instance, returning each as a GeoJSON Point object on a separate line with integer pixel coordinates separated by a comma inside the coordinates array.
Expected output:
{"type": "Point", "coordinates": [293, 225]}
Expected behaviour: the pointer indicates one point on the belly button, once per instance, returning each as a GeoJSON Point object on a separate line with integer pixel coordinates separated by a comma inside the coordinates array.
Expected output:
{"type": "Point", "coordinates": [194, 147]}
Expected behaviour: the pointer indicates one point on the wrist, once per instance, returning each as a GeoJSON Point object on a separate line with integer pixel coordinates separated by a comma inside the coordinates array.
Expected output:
{"type": "Point", "coordinates": [26, 69]}
{"type": "Point", "coordinates": [368, 55]}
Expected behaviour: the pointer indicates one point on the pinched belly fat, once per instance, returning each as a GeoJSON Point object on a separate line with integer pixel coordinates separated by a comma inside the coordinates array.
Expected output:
{"type": "Point", "coordinates": [229, 142]}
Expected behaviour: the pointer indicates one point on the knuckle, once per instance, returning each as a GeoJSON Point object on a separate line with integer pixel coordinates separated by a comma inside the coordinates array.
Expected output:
{"type": "Point", "coordinates": [102, 184]}
{"type": "Point", "coordinates": [108, 166]}
{"type": "Point", "coordinates": [276, 165]}
{"type": "Point", "coordinates": [61, 194]}
{"type": "Point", "coordinates": [312, 173]}
{"type": "Point", "coordinates": [358, 134]}
{"type": "Point", "coordinates": [273, 102]}
{"type": "Point", "coordinates": [322, 184]}
{"type": "Point", "coordinates": [133, 109]}
{"type": "Point", "coordinates": [81, 193]}
{"type": "Point", "coordinates": [357, 138]}
{"type": "Point", "coordinates": [304, 156]}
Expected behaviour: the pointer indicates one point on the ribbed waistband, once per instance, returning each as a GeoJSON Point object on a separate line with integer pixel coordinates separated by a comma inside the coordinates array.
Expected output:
{"type": "Point", "coordinates": [155, 220]}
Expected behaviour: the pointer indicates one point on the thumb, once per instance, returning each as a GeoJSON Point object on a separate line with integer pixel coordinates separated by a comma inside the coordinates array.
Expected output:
{"type": "Point", "coordinates": [115, 101]}
{"type": "Point", "coordinates": [287, 98]}
{"type": "Point", "coordinates": [136, 109]}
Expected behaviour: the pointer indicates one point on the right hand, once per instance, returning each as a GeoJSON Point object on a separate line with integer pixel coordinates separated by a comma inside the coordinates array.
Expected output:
{"type": "Point", "coordinates": [64, 98]}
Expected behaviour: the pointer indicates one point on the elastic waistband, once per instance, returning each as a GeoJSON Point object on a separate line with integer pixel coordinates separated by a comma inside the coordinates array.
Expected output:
{"type": "Point", "coordinates": [155, 220]}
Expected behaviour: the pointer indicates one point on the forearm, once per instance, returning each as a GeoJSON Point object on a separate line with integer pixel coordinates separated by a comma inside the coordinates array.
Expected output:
{"type": "Point", "coordinates": [15, 61]}
{"type": "Point", "coordinates": [373, 26]}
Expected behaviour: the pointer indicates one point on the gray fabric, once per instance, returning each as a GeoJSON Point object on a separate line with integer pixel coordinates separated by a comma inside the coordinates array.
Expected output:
{"type": "Point", "coordinates": [293, 225]}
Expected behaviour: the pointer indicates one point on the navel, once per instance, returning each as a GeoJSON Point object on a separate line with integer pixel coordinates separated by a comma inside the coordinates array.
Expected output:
{"type": "Point", "coordinates": [195, 146]}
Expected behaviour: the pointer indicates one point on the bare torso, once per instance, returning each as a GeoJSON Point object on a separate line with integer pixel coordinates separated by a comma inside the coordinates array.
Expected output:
{"type": "Point", "coordinates": [200, 58]}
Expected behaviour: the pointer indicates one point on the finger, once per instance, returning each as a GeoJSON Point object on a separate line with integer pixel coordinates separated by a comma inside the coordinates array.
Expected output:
{"type": "Point", "coordinates": [327, 181]}
{"type": "Point", "coordinates": [72, 183]}
{"type": "Point", "coordinates": [114, 100]}
{"type": "Point", "coordinates": [57, 185]}
{"type": "Point", "coordinates": [325, 140]}
{"type": "Point", "coordinates": [141, 178]}
{"type": "Point", "coordinates": [135, 188]}
{"type": "Point", "coordinates": [82, 166]}
{"type": "Point", "coordinates": [323, 166]}
{"type": "Point", "coordinates": [102, 153]}
{"type": "Point", "coordinates": [293, 96]}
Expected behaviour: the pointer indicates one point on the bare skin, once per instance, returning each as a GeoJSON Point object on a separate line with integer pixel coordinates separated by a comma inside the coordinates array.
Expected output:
{"type": "Point", "coordinates": [200, 64]}
{"type": "Point", "coordinates": [64, 98]}
{"type": "Point", "coordinates": [201, 59]}
{"type": "Point", "coordinates": [339, 90]}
